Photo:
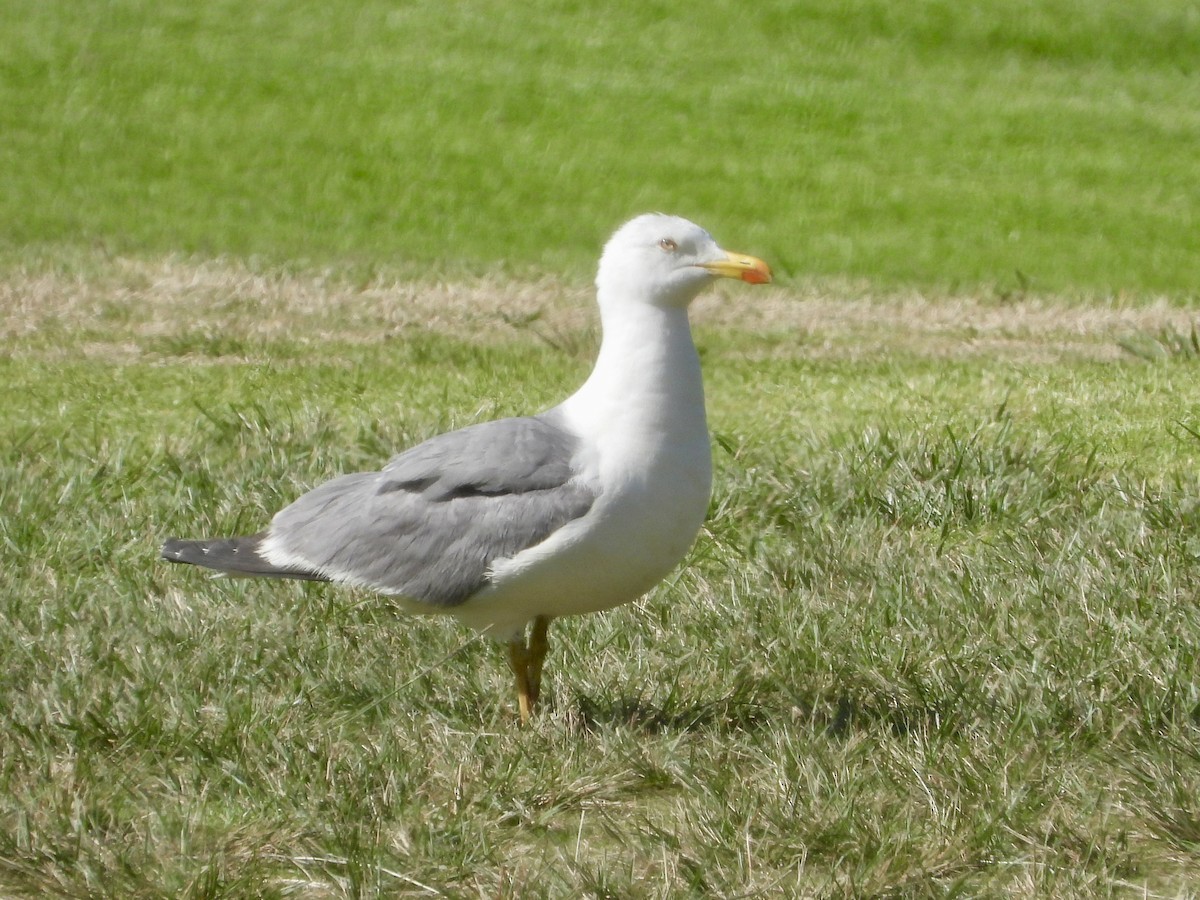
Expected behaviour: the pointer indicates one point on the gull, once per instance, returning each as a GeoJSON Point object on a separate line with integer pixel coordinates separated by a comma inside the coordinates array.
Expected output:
{"type": "Point", "coordinates": [506, 525]}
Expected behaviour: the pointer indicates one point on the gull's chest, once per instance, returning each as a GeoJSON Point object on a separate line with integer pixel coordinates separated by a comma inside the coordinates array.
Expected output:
{"type": "Point", "coordinates": [646, 450]}
{"type": "Point", "coordinates": [652, 496]}
{"type": "Point", "coordinates": [654, 488]}
{"type": "Point", "coordinates": [654, 480]}
{"type": "Point", "coordinates": [643, 449]}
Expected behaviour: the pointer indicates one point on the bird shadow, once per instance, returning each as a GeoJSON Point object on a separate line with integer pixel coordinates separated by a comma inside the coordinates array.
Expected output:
{"type": "Point", "coordinates": [658, 717]}
{"type": "Point", "coordinates": [836, 715]}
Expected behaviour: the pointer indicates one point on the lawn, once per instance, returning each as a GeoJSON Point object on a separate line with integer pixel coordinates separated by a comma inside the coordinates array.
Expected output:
{"type": "Point", "coordinates": [1029, 144]}
{"type": "Point", "coordinates": [940, 633]}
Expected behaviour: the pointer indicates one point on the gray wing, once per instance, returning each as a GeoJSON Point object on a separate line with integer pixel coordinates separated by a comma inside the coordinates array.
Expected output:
{"type": "Point", "coordinates": [430, 524]}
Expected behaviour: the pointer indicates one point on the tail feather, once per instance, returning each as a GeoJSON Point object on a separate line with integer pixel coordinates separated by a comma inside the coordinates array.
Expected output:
{"type": "Point", "coordinates": [234, 556]}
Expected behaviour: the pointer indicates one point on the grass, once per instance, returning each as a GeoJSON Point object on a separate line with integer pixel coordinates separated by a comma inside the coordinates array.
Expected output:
{"type": "Point", "coordinates": [934, 144]}
{"type": "Point", "coordinates": [940, 635]}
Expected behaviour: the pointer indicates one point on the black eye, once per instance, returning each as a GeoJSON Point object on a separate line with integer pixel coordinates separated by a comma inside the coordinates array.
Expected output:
{"type": "Point", "coordinates": [668, 245]}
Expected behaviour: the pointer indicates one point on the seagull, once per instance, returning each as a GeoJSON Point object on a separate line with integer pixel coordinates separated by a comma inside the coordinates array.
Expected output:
{"type": "Point", "coordinates": [506, 525]}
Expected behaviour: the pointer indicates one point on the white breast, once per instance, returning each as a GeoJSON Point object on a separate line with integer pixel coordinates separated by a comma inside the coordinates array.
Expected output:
{"type": "Point", "coordinates": [641, 422]}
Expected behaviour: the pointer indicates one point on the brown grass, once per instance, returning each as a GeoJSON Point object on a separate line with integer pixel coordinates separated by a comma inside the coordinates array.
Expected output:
{"type": "Point", "coordinates": [124, 302]}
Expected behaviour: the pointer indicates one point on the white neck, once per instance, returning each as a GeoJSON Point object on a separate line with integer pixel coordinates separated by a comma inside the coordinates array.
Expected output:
{"type": "Point", "coordinates": [646, 383]}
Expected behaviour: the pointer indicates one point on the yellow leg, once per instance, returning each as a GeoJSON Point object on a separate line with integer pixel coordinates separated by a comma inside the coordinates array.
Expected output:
{"type": "Point", "coordinates": [525, 658]}
{"type": "Point", "coordinates": [538, 645]}
{"type": "Point", "coordinates": [518, 660]}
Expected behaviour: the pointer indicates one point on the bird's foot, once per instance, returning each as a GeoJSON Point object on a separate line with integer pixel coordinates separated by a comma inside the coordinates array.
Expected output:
{"type": "Point", "coordinates": [526, 657]}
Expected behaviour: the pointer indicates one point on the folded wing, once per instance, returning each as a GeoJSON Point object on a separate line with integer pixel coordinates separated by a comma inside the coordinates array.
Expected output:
{"type": "Point", "coordinates": [430, 524]}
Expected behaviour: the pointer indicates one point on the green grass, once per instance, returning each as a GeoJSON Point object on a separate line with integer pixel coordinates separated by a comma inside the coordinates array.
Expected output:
{"type": "Point", "coordinates": [936, 144]}
{"type": "Point", "coordinates": [940, 635]}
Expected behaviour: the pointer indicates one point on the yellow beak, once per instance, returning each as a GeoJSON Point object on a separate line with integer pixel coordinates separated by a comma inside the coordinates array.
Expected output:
{"type": "Point", "coordinates": [739, 265]}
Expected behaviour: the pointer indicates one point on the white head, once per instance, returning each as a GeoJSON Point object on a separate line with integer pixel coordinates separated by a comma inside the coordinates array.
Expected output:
{"type": "Point", "coordinates": [667, 261]}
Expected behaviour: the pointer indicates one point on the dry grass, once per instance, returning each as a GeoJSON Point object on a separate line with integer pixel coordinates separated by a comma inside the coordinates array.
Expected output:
{"type": "Point", "coordinates": [939, 634]}
{"type": "Point", "coordinates": [129, 301]}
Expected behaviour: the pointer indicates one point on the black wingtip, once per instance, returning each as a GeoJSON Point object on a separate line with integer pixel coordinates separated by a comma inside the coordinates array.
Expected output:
{"type": "Point", "coordinates": [238, 554]}
{"type": "Point", "coordinates": [233, 556]}
{"type": "Point", "coordinates": [173, 550]}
